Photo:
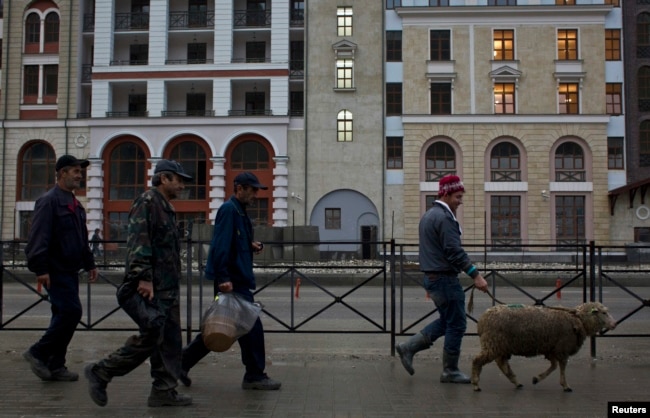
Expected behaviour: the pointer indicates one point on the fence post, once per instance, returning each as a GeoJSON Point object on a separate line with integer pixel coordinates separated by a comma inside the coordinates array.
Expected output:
{"type": "Point", "coordinates": [392, 297]}
{"type": "Point", "coordinates": [2, 283]}
{"type": "Point", "coordinates": [188, 269]}
{"type": "Point", "coordinates": [592, 283]}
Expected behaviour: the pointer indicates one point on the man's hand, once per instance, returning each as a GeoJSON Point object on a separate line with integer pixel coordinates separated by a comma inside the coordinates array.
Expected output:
{"type": "Point", "coordinates": [225, 287]}
{"type": "Point", "coordinates": [145, 289]}
{"type": "Point", "coordinates": [480, 283]}
{"type": "Point", "coordinates": [44, 280]}
{"type": "Point", "coordinates": [257, 247]}
{"type": "Point", "coordinates": [92, 275]}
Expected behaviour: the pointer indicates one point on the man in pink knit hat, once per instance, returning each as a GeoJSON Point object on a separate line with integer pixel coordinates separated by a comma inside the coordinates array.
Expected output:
{"type": "Point", "coordinates": [442, 258]}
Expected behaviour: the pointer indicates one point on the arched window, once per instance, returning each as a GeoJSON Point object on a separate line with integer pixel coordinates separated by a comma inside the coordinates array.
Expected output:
{"type": "Point", "coordinates": [643, 88]}
{"type": "Point", "coordinates": [52, 27]}
{"type": "Point", "coordinates": [32, 29]}
{"type": "Point", "coordinates": [192, 157]}
{"type": "Point", "coordinates": [249, 155]}
{"type": "Point", "coordinates": [36, 170]}
{"type": "Point", "coordinates": [127, 179]}
{"type": "Point", "coordinates": [643, 35]}
{"type": "Point", "coordinates": [570, 163]}
{"type": "Point", "coordinates": [344, 126]}
{"type": "Point", "coordinates": [505, 163]}
{"type": "Point", "coordinates": [440, 160]}
{"type": "Point", "coordinates": [644, 144]}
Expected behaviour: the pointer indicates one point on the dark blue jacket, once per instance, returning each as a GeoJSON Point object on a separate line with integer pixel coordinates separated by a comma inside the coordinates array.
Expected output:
{"type": "Point", "coordinates": [231, 252]}
{"type": "Point", "coordinates": [58, 238]}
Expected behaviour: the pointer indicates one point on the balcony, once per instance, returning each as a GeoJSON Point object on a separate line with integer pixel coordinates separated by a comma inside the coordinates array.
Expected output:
{"type": "Point", "coordinates": [131, 21]}
{"type": "Point", "coordinates": [129, 62]}
{"type": "Point", "coordinates": [191, 20]}
{"type": "Point", "coordinates": [252, 19]}
{"type": "Point", "coordinates": [183, 113]}
{"type": "Point", "coordinates": [190, 61]}
{"type": "Point", "coordinates": [297, 19]}
{"type": "Point", "coordinates": [86, 73]}
{"type": "Point", "coordinates": [297, 69]}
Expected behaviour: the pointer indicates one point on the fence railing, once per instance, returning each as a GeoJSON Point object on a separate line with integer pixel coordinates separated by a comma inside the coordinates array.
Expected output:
{"type": "Point", "coordinates": [327, 287]}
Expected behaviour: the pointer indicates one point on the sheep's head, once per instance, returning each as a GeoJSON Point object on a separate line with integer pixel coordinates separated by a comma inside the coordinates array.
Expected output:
{"type": "Point", "coordinates": [595, 317]}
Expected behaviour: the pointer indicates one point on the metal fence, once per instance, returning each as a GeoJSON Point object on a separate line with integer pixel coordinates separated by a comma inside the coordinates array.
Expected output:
{"type": "Point", "coordinates": [328, 287]}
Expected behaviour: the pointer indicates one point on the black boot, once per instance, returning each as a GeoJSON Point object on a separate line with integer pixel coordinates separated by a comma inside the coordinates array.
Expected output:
{"type": "Point", "coordinates": [450, 373]}
{"type": "Point", "coordinates": [167, 398]}
{"type": "Point", "coordinates": [407, 350]}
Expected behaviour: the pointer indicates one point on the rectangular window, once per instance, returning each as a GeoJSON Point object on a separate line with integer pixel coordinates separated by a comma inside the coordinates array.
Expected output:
{"type": "Point", "coordinates": [615, 153]}
{"type": "Point", "coordinates": [614, 99]}
{"type": "Point", "coordinates": [50, 80]}
{"type": "Point", "coordinates": [197, 53]}
{"type": "Point", "coordinates": [255, 51]}
{"type": "Point", "coordinates": [195, 104]}
{"type": "Point", "coordinates": [393, 99]}
{"type": "Point", "coordinates": [641, 234]}
{"type": "Point", "coordinates": [502, 2]}
{"type": "Point", "coordinates": [259, 212]}
{"type": "Point", "coordinates": [332, 218]}
{"type": "Point", "coordinates": [137, 105]}
{"type": "Point", "coordinates": [441, 98]}
{"type": "Point", "coordinates": [255, 103]}
{"type": "Point", "coordinates": [394, 152]}
{"type": "Point", "coordinates": [440, 45]}
{"type": "Point", "coordinates": [568, 99]}
{"type": "Point", "coordinates": [504, 98]}
{"type": "Point", "coordinates": [344, 21]}
{"type": "Point", "coordinates": [139, 54]}
{"type": "Point", "coordinates": [567, 44]}
{"type": "Point", "coordinates": [613, 44]}
{"type": "Point", "coordinates": [615, 3]}
{"type": "Point", "coordinates": [394, 46]}
{"type": "Point", "coordinates": [505, 220]}
{"type": "Point", "coordinates": [297, 103]}
{"type": "Point", "coordinates": [504, 45]}
{"type": "Point", "coordinates": [565, 2]}
{"type": "Point", "coordinates": [30, 83]}
{"type": "Point", "coordinates": [344, 72]}
{"type": "Point", "coordinates": [570, 219]}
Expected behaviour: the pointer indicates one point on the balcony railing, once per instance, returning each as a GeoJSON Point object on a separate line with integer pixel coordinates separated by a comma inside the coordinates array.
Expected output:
{"type": "Point", "coordinates": [186, 20]}
{"type": "Point", "coordinates": [131, 21]}
{"type": "Point", "coordinates": [89, 22]}
{"type": "Point", "coordinates": [86, 73]}
{"type": "Point", "coordinates": [83, 115]}
{"type": "Point", "coordinates": [255, 112]}
{"type": "Point", "coordinates": [297, 69]}
{"type": "Point", "coordinates": [505, 175]}
{"type": "Point", "coordinates": [128, 114]}
{"type": "Point", "coordinates": [570, 175]}
{"type": "Point", "coordinates": [190, 61]}
{"type": "Point", "coordinates": [129, 62]}
{"type": "Point", "coordinates": [182, 113]}
{"type": "Point", "coordinates": [251, 60]}
{"type": "Point", "coordinates": [436, 175]}
{"type": "Point", "coordinates": [252, 18]}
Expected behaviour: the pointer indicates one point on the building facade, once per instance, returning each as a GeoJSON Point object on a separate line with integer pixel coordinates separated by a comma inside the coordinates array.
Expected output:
{"type": "Point", "coordinates": [350, 111]}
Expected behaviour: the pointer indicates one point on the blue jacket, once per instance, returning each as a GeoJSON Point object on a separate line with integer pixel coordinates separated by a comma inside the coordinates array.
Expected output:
{"type": "Point", "coordinates": [231, 252]}
{"type": "Point", "coordinates": [58, 238]}
{"type": "Point", "coordinates": [440, 246]}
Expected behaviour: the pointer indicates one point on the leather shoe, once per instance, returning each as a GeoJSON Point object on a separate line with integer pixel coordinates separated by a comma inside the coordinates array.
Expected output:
{"type": "Point", "coordinates": [96, 386]}
{"type": "Point", "coordinates": [185, 379]}
{"type": "Point", "coordinates": [167, 398]}
{"type": "Point", "coordinates": [38, 367]}
{"type": "Point", "coordinates": [263, 384]}
{"type": "Point", "coordinates": [64, 375]}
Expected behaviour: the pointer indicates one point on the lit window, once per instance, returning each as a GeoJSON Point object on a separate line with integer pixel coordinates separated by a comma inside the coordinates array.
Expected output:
{"type": "Point", "coordinates": [614, 94]}
{"type": "Point", "coordinates": [567, 44]}
{"type": "Point", "coordinates": [504, 98]}
{"type": "Point", "coordinates": [568, 98]}
{"type": "Point", "coordinates": [504, 45]}
{"type": "Point", "coordinates": [344, 73]}
{"type": "Point", "coordinates": [344, 126]}
{"type": "Point", "coordinates": [344, 21]}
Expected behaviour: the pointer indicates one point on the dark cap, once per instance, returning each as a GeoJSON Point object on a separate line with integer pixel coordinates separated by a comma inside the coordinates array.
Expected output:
{"type": "Point", "coordinates": [249, 179]}
{"type": "Point", "coordinates": [174, 167]}
{"type": "Point", "coordinates": [68, 161]}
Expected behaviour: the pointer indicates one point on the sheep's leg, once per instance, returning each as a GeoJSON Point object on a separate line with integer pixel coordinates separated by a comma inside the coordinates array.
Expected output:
{"type": "Point", "coordinates": [563, 382]}
{"type": "Point", "coordinates": [504, 365]}
{"type": "Point", "coordinates": [548, 371]}
{"type": "Point", "coordinates": [477, 365]}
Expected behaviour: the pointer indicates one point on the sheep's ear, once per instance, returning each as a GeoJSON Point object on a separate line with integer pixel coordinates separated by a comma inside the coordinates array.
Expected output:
{"type": "Point", "coordinates": [594, 310]}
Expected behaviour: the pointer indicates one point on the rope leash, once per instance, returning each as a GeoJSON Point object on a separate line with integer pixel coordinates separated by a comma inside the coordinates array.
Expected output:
{"type": "Point", "coordinates": [470, 304]}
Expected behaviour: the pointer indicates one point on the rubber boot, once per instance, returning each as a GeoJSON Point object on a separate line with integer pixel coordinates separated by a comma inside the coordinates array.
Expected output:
{"type": "Point", "coordinates": [450, 372]}
{"type": "Point", "coordinates": [407, 350]}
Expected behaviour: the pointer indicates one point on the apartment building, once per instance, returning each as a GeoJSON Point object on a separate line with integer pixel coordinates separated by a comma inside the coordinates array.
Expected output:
{"type": "Point", "coordinates": [522, 99]}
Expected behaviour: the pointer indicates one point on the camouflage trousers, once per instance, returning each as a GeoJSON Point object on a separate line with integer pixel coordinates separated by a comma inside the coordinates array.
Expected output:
{"type": "Point", "coordinates": [159, 339]}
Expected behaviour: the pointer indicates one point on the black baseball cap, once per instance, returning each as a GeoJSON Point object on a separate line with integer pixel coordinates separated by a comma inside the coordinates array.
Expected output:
{"type": "Point", "coordinates": [249, 179]}
{"type": "Point", "coordinates": [69, 161]}
{"type": "Point", "coordinates": [174, 167]}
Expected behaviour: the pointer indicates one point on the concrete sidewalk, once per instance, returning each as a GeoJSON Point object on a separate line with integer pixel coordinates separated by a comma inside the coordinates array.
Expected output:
{"type": "Point", "coordinates": [332, 375]}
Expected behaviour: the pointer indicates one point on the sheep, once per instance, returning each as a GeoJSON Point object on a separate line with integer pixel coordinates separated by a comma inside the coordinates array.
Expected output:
{"type": "Point", "coordinates": [555, 332]}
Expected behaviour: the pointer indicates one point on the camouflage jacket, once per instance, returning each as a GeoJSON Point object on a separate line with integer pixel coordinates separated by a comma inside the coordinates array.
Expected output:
{"type": "Point", "coordinates": [153, 243]}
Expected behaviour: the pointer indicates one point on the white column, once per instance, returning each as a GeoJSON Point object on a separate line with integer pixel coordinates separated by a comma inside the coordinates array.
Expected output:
{"type": "Point", "coordinates": [95, 193]}
{"type": "Point", "coordinates": [158, 17]}
{"type": "Point", "coordinates": [280, 96]}
{"type": "Point", "coordinates": [223, 16]}
{"type": "Point", "coordinates": [280, 191]}
{"type": "Point", "coordinates": [218, 185]}
{"type": "Point", "coordinates": [102, 98]}
{"type": "Point", "coordinates": [104, 20]}
{"type": "Point", "coordinates": [221, 96]}
{"type": "Point", "coordinates": [155, 97]}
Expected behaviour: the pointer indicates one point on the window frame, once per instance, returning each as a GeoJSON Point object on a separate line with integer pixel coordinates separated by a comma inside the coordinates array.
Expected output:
{"type": "Point", "coordinates": [442, 105]}
{"type": "Point", "coordinates": [569, 163]}
{"type": "Point", "coordinates": [393, 46]}
{"type": "Point", "coordinates": [344, 74]}
{"type": "Point", "coordinates": [612, 44]}
{"type": "Point", "coordinates": [28, 166]}
{"type": "Point", "coordinates": [567, 44]}
{"type": "Point", "coordinates": [506, 93]}
{"type": "Point", "coordinates": [505, 162]}
{"type": "Point", "coordinates": [506, 40]}
{"type": "Point", "coordinates": [394, 153]}
{"type": "Point", "coordinates": [344, 126]}
{"type": "Point", "coordinates": [614, 99]}
{"type": "Point", "coordinates": [568, 98]}
{"type": "Point", "coordinates": [615, 153]}
{"type": "Point", "coordinates": [440, 46]}
{"type": "Point", "coordinates": [344, 21]}
{"type": "Point", "coordinates": [394, 99]}
{"type": "Point", "coordinates": [505, 220]}
{"type": "Point", "coordinates": [439, 160]}
{"type": "Point", "coordinates": [332, 218]}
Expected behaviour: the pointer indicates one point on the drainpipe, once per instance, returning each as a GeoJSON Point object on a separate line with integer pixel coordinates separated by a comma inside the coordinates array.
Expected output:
{"type": "Point", "coordinates": [67, 105]}
{"type": "Point", "coordinates": [383, 125]}
{"type": "Point", "coordinates": [7, 24]}
{"type": "Point", "coordinates": [305, 95]}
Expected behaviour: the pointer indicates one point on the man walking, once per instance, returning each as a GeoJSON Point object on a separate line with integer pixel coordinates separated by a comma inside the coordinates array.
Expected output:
{"type": "Point", "coordinates": [150, 294]}
{"type": "Point", "coordinates": [441, 259]}
{"type": "Point", "coordinates": [230, 265]}
{"type": "Point", "coordinates": [57, 248]}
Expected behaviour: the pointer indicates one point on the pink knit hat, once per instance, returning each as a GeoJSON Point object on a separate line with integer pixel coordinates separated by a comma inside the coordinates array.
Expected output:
{"type": "Point", "coordinates": [450, 184]}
